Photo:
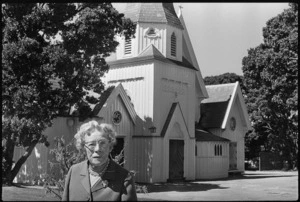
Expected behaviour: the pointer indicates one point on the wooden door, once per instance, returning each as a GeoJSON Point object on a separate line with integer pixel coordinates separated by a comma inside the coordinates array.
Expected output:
{"type": "Point", "coordinates": [176, 159]}
{"type": "Point", "coordinates": [232, 156]}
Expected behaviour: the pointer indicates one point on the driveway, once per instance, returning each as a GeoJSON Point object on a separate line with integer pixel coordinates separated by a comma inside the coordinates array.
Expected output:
{"type": "Point", "coordinates": [251, 186]}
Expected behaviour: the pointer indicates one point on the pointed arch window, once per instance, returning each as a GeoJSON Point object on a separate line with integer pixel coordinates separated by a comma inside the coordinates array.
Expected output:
{"type": "Point", "coordinates": [173, 44]}
{"type": "Point", "coordinates": [127, 46]}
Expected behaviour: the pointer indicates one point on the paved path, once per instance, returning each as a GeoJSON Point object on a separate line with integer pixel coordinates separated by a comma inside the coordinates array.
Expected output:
{"type": "Point", "coordinates": [252, 186]}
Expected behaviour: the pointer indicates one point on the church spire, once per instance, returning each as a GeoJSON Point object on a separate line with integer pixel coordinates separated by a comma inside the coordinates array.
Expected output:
{"type": "Point", "coordinates": [153, 13]}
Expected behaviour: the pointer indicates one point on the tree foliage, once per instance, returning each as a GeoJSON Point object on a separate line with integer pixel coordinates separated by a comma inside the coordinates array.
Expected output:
{"type": "Point", "coordinates": [66, 155]}
{"type": "Point", "coordinates": [271, 76]}
{"type": "Point", "coordinates": [223, 78]}
{"type": "Point", "coordinates": [52, 55]}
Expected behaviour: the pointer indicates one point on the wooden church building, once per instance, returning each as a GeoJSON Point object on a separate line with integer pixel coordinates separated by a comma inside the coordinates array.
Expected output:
{"type": "Point", "coordinates": [171, 125]}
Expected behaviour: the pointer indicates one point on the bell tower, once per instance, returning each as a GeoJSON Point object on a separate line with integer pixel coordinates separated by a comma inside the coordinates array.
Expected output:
{"type": "Point", "coordinates": [157, 24]}
{"type": "Point", "coordinates": [158, 70]}
{"type": "Point", "coordinates": [155, 67]}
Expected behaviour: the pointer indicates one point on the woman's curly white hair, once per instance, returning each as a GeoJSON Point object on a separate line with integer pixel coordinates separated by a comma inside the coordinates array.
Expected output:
{"type": "Point", "coordinates": [90, 127]}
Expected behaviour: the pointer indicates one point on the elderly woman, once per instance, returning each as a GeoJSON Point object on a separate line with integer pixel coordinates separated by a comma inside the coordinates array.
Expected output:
{"type": "Point", "coordinates": [98, 178]}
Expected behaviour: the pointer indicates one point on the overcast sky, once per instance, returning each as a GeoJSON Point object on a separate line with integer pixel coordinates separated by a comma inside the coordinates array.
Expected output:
{"type": "Point", "coordinates": [221, 33]}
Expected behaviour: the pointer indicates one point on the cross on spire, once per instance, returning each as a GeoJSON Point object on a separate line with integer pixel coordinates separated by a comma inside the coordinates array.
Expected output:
{"type": "Point", "coordinates": [180, 10]}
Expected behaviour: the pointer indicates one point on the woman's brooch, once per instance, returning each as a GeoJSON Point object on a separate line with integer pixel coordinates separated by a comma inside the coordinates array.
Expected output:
{"type": "Point", "coordinates": [105, 183]}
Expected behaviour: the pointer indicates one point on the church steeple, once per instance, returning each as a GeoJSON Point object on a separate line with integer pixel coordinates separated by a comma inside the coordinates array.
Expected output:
{"type": "Point", "coordinates": [153, 13]}
{"type": "Point", "coordinates": [157, 24]}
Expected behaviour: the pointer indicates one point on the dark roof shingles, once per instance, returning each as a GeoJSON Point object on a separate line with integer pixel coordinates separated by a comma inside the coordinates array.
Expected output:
{"type": "Point", "coordinates": [166, 125]}
{"type": "Point", "coordinates": [153, 12]}
{"type": "Point", "coordinates": [103, 99]}
{"type": "Point", "coordinates": [202, 136]}
{"type": "Point", "coordinates": [212, 114]}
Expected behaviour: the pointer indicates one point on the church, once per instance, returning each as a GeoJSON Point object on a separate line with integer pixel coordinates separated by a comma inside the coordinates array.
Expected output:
{"type": "Point", "coordinates": [170, 125]}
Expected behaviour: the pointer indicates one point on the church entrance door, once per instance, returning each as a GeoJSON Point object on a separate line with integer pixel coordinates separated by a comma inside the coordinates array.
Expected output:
{"type": "Point", "coordinates": [176, 159]}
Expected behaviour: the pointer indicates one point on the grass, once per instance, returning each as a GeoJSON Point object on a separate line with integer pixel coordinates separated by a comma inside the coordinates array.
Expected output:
{"type": "Point", "coordinates": [26, 193]}
{"type": "Point", "coordinates": [31, 193]}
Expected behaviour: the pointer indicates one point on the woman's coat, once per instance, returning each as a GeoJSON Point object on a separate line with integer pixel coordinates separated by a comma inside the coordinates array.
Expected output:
{"type": "Point", "coordinates": [118, 186]}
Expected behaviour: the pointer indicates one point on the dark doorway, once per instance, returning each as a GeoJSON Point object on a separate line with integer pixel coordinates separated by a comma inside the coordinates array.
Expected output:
{"type": "Point", "coordinates": [118, 151]}
{"type": "Point", "coordinates": [232, 156]}
{"type": "Point", "coordinates": [176, 159]}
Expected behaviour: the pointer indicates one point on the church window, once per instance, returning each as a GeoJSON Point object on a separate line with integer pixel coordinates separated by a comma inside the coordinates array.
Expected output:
{"type": "Point", "coordinates": [151, 32]}
{"type": "Point", "coordinates": [127, 50]}
{"type": "Point", "coordinates": [218, 150]}
{"type": "Point", "coordinates": [173, 45]}
{"type": "Point", "coordinates": [195, 150]}
{"type": "Point", "coordinates": [215, 150]}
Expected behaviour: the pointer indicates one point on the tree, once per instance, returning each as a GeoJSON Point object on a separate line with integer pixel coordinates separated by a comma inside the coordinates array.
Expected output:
{"type": "Point", "coordinates": [52, 55]}
{"type": "Point", "coordinates": [223, 78]}
{"type": "Point", "coordinates": [271, 77]}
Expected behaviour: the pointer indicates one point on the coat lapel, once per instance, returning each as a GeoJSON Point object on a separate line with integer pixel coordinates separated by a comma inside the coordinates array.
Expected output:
{"type": "Point", "coordinates": [85, 181]}
{"type": "Point", "coordinates": [108, 176]}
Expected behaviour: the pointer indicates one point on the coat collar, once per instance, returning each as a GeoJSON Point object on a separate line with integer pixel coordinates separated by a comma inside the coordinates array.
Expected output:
{"type": "Point", "coordinates": [109, 174]}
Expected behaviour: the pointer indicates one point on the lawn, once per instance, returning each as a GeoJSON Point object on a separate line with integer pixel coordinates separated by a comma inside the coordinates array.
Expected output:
{"type": "Point", "coordinates": [26, 193]}
{"type": "Point", "coordinates": [31, 193]}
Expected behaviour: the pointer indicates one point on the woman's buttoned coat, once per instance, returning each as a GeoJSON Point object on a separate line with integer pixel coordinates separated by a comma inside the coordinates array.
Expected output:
{"type": "Point", "coordinates": [118, 186]}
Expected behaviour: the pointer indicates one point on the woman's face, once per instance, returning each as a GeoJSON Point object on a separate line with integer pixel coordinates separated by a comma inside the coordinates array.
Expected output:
{"type": "Point", "coordinates": [97, 147]}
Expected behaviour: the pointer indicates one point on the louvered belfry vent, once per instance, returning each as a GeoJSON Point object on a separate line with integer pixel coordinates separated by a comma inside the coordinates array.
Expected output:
{"type": "Point", "coordinates": [127, 50]}
{"type": "Point", "coordinates": [173, 45]}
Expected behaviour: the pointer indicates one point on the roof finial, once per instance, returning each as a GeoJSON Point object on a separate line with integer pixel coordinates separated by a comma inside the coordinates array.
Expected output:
{"type": "Point", "coordinates": [180, 10]}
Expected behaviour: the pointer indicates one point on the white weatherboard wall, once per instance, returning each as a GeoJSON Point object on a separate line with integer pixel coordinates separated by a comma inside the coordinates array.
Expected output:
{"type": "Point", "coordinates": [143, 42]}
{"type": "Point", "coordinates": [37, 163]}
{"type": "Point", "coordinates": [137, 80]}
{"type": "Point", "coordinates": [34, 167]}
{"type": "Point", "coordinates": [174, 84]}
{"type": "Point", "coordinates": [142, 158]}
{"type": "Point", "coordinates": [124, 129]}
{"type": "Point", "coordinates": [238, 135]}
{"type": "Point", "coordinates": [162, 42]}
{"type": "Point", "coordinates": [209, 166]}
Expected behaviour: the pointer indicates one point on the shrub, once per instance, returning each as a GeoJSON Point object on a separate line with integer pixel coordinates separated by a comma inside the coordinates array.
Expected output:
{"type": "Point", "coordinates": [65, 155]}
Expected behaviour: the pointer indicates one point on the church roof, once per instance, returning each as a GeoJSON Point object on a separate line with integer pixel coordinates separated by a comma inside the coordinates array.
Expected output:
{"type": "Point", "coordinates": [212, 114]}
{"type": "Point", "coordinates": [175, 114]}
{"type": "Point", "coordinates": [205, 136]}
{"type": "Point", "coordinates": [219, 92]}
{"type": "Point", "coordinates": [151, 52]}
{"type": "Point", "coordinates": [213, 109]}
{"type": "Point", "coordinates": [103, 99]}
{"type": "Point", "coordinates": [216, 109]}
{"type": "Point", "coordinates": [153, 13]}
{"type": "Point", "coordinates": [170, 115]}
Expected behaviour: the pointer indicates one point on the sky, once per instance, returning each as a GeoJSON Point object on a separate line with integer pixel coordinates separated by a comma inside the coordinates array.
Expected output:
{"type": "Point", "coordinates": [222, 33]}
